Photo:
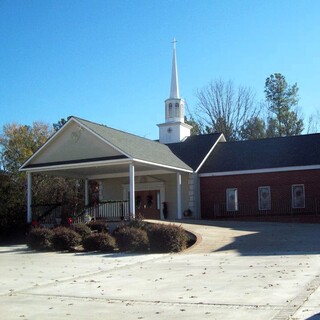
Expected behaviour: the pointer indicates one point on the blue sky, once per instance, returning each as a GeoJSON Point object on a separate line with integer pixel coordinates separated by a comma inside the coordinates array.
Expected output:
{"type": "Point", "coordinates": [110, 61]}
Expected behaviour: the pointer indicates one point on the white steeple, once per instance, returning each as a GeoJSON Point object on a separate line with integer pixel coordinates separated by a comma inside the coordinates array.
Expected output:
{"type": "Point", "coordinates": [174, 92]}
{"type": "Point", "coordinates": [174, 129]}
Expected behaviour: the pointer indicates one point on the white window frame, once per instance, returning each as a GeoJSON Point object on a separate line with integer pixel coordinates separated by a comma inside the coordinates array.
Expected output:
{"type": "Point", "coordinates": [229, 192]}
{"type": "Point", "coordinates": [260, 200]}
{"type": "Point", "coordinates": [293, 196]}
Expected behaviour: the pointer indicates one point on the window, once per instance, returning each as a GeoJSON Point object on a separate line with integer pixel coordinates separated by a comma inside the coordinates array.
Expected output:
{"type": "Point", "coordinates": [177, 110]}
{"type": "Point", "coordinates": [232, 199]}
{"type": "Point", "coordinates": [264, 198]}
{"type": "Point", "coordinates": [170, 110]}
{"type": "Point", "coordinates": [298, 197]}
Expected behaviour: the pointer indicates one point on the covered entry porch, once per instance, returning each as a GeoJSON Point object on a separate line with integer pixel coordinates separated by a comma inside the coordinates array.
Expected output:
{"type": "Point", "coordinates": [121, 163]}
{"type": "Point", "coordinates": [126, 190]}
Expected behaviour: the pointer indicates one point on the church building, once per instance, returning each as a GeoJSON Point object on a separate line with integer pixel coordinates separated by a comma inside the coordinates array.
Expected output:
{"type": "Point", "coordinates": [181, 176]}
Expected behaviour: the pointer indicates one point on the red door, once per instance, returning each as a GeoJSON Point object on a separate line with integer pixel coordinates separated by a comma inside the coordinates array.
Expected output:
{"type": "Point", "coordinates": [147, 204]}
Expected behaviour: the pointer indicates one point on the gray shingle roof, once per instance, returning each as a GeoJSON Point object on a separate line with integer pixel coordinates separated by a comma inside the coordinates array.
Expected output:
{"type": "Point", "coordinates": [136, 147]}
{"type": "Point", "coordinates": [303, 150]}
{"type": "Point", "coordinates": [194, 149]}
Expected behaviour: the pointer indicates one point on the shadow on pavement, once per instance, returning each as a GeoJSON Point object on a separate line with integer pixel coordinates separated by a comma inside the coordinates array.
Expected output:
{"type": "Point", "coordinates": [266, 238]}
{"type": "Point", "coordinates": [114, 254]}
{"type": "Point", "coordinates": [314, 317]}
{"type": "Point", "coordinates": [15, 249]}
{"type": "Point", "coordinates": [23, 249]}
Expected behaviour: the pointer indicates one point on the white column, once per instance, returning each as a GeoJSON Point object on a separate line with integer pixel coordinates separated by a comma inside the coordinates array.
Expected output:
{"type": "Point", "coordinates": [29, 197]}
{"type": "Point", "coordinates": [179, 196]}
{"type": "Point", "coordinates": [86, 192]}
{"type": "Point", "coordinates": [132, 192]}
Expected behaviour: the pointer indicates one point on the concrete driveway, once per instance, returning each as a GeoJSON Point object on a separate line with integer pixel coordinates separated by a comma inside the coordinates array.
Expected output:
{"type": "Point", "coordinates": [237, 270]}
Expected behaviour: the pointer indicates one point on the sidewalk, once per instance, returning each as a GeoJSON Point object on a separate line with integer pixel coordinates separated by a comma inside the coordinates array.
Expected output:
{"type": "Point", "coordinates": [237, 271]}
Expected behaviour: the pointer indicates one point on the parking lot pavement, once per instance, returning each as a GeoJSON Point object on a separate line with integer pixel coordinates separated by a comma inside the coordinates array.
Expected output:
{"type": "Point", "coordinates": [225, 276]}
{"type": "Point", "coordinates": [310, 309]}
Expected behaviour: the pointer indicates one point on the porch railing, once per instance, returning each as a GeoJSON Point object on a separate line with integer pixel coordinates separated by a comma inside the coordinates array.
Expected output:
{"type": "Point", "coordinates": [47, 214]}
{"type": "Point", "coordinates": [110, 210]}
{"type": "Point", "coordinates": [51, 214]}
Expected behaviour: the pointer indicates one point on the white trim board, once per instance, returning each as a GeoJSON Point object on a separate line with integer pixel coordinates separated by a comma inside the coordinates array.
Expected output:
{"type": "Point", "coordinates": [76, 165]}
{"type": "Point", "coordinates": [208, 154]}
{"type": "Point", "coordinates": [255, 171]}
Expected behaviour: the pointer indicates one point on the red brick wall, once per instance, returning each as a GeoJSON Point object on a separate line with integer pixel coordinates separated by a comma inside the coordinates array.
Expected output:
{"type": "Point", "coordinates": [213, 192]}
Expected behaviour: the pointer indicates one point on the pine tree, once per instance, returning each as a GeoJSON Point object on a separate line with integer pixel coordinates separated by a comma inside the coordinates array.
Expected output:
{"type": "Point", "coordinates": [282, 100]}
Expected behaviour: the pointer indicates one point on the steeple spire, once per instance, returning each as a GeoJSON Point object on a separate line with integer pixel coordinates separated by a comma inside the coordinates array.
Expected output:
{"type": "Point", "coordinates": [174, 129]}
{"type": "Point", "coordinates": [174, 91]}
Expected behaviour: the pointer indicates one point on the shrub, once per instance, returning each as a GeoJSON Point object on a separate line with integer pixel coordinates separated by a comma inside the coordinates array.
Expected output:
{"type": "Point", "coordinates": [131, 239]}
{"type": "Point", "coordinates": [98, 225]}
{"type": "Point", "coordinates": [65, 238]}
{"type": "Point", "coordinates": [39, 239]}
{"type": "Point", "coordinates": [99, 241]}
{"type": "Point", "coordinates": [81, 229]}
{"type": "Point", "coordinates": [166, 238]}
{"type": "Point", "coordinates": [138, 223]}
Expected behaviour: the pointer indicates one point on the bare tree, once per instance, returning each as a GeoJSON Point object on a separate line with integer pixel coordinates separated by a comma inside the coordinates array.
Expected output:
{"type": "Point", "coordinates": [224, 108]}
{"type": "Point", "coordinates": [314, 123]}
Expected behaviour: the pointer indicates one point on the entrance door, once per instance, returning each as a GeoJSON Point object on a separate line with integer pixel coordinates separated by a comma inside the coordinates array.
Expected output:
{"type": "Point", "coordinates": [147, 204]}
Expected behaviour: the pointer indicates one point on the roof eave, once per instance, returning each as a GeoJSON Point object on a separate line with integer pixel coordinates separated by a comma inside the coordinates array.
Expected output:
{"type": "Point", "coordinates": [48, 167]}
{"type": "Point", "coordinates": [257, 171]}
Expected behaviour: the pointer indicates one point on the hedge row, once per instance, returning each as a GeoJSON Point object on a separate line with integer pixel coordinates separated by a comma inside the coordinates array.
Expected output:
{"type": "Point", "coordinates": [136, 237]}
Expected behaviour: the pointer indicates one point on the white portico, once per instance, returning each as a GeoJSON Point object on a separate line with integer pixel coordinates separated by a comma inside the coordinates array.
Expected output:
{"type": "Point", "coordinates": [118, 160]}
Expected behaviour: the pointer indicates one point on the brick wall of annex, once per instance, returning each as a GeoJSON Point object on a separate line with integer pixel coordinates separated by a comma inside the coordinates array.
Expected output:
{"type": "Point", "coordinates": [213, 192]}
